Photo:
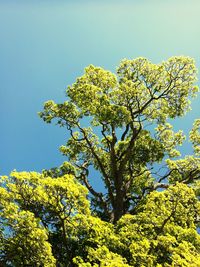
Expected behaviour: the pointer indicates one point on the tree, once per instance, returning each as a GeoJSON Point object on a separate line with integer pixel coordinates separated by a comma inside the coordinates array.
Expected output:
{"type": "Point", "coordinates": [124, 108]}
{"type": "Point", "coordinates": [149, 211]}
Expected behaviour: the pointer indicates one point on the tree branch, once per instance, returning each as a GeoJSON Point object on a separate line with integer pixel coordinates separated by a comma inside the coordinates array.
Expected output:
{"type": "Point", "coordinates": [125, 132]}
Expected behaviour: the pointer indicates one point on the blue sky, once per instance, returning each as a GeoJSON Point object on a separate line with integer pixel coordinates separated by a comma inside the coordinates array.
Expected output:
{"type": "Point", "coordinates": [45, 45]}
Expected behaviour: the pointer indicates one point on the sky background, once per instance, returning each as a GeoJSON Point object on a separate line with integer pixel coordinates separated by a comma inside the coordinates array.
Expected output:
{"type": "Point", "coordinates": [45, 45]}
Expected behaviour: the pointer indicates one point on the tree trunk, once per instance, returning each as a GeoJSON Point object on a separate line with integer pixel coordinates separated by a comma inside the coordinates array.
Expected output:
{"type": "Point", "coordinates": [118, 208]}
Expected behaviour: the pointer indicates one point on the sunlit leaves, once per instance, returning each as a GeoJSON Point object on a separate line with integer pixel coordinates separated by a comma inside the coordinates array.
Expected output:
{"type": "Point", "coordinates": [169, 139]}
{"type": "Point", "coordinates": [119, 126]}
{"type": "Point", "coordinates": [156, 235]}
{"type": "Point", "coordinates": [195, 136]}
{"type": "Point", "coordinates": [33, 207]}
{"type": "Point", "coordinates": [24, 240]}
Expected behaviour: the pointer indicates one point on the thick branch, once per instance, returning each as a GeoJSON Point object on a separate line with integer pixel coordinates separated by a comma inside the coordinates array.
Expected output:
{"type": "Point", "coordinates": [94, 153]}
{"type": "Point", "coordinates": [125, 132]}
{"type": "Point", "coordinates": [113, 156]}
{"type": "Point", "coordinates": [127, 152]}
{"type": "Point", "coordinates": [104, 135]}
{"type": "Point", "coordinates": [90, 188]}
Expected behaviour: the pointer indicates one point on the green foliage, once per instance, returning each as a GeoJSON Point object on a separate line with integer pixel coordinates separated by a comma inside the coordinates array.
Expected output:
{"type": "Point", "coordinates": [23, 239]}
{"type": "Point", "coordinates": [167, 223]}
{"type": "Point", "coordinates": [49, 224]}
{"type": "Point", "coordinates": [130, 112]}
{"type": "Point", "coordinates": [149, 213]}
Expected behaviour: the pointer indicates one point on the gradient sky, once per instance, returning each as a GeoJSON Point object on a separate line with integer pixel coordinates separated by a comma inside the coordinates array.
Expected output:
{"type": "Point", "coordinates": [45, 45]}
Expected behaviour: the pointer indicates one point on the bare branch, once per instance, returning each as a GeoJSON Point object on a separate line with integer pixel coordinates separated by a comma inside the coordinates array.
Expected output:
{"type": "Point", "coordinates": [125, 132]}
{"type": "Point", "coordinates": [99, 195]}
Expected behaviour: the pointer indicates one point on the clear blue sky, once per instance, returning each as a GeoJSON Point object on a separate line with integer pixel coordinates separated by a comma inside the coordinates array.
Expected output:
{"type": "Point", "coordinates": [45, 45]}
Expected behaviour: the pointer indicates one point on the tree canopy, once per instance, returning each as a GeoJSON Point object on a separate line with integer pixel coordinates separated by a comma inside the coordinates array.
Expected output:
{"type": "Point", "coordinates": [148, 213]}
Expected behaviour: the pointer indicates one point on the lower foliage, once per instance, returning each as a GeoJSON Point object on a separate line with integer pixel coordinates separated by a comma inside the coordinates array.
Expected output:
{"type": "Point", "coordinates": [48, 222]}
